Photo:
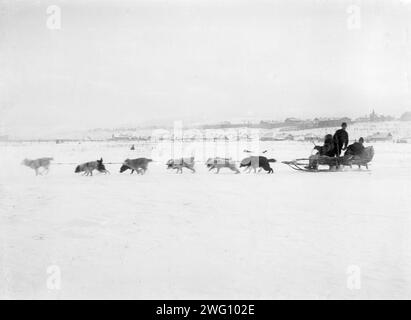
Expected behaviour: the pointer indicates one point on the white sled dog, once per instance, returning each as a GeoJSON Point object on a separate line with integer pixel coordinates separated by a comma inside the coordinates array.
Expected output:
{"type": "Point", "coordinates": [36, 164]}
{"type": "Point", "coordinates": [218, 163]}
{"type": "Point", "coordinates": [181, 163]}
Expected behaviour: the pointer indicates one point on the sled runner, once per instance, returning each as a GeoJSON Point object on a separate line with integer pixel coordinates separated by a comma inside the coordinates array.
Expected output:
{"type": "Point", "coordinates": [302, 164]}
{"type": "Point", "coordinates": [333, 163]}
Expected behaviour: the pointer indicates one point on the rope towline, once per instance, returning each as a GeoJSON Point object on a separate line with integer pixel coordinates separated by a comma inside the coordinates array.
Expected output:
{"type": "Point", "coordinates": [77, 163]}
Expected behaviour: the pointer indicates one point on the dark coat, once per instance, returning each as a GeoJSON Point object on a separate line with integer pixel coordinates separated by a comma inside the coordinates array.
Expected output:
{"type": "Point", "coordinates": [355, 149]}
{"type": "Point", "coordinates": [328, 149]}
{"type": "Point", "coordinates": [341, 138]}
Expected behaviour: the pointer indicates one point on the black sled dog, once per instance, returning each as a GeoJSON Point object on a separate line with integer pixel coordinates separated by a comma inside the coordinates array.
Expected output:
{"type": "Point", "coordinates": [255, 162]}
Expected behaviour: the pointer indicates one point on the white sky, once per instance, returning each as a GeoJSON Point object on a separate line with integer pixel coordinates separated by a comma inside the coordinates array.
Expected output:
{"type": "Point", "coordinates": [123, 62]}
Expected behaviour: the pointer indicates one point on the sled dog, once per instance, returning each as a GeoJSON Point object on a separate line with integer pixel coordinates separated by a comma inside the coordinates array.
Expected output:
{"type": "Point", "coordinates": [88, 167]}
{"type": "Point", "coordinates": [218, 163]}
{"type": "Point", "coordinates": [181, 163]}
{"type": "Point", "coordinates": [139, 165]}
{"type": "Point", "coordinates": [37, 164]}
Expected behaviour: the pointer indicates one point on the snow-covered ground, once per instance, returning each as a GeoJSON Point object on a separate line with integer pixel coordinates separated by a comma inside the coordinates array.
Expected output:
{"type": "Point", "coordinates": [197, 236]}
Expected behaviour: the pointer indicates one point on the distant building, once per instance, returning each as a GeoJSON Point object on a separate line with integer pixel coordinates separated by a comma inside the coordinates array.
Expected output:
{"type": "Point", "coordinates": [121, 137]}
{"type": "Point", "coordinates": [292, 121]}
{"type": "Point", "coordinates": [270, 124]}
{"type": "Point", "coordinates": [379, 136]}
{"type": "Point", "coordinates": [362, 119]}
{"type": "Point", "coordinates": [374, 117]}
{"type": "Point", "coordinates": [334, 122]}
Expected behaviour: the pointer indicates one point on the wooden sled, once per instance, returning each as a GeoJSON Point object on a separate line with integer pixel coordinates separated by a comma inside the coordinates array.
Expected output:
{"type": "Point", "coordinates": [334, 163]}
{"type": "Point", "coordinates": [362, 160]}
{"type": "Point", "coordinates": [302, 165]}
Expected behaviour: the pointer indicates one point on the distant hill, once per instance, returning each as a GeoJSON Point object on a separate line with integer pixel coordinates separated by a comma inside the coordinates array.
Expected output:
{"type": "Point", "coordinates": [406, 116]}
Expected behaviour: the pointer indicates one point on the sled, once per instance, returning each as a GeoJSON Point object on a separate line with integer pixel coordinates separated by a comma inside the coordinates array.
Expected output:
{"type": "Point", "coordinates": [333, 163]}
{"type": "Point", "coordinates": [302, 165]}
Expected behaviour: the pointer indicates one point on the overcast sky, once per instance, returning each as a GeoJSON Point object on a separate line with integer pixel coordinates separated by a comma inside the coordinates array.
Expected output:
{"type": "Point", "coordinates": [124, 62]}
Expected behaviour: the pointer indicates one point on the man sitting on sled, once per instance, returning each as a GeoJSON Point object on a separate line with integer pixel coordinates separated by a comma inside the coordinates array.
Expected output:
{"type": "Point", "coordinates": [355, 149]}
{"type": "Point", "coordinates": [359, 155]}
{"type": "Point", "coordinates": [328, 149]}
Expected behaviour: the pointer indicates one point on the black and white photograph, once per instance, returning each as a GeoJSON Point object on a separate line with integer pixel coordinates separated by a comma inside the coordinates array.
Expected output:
{"type": "Point", "coordinates": [171, 150]}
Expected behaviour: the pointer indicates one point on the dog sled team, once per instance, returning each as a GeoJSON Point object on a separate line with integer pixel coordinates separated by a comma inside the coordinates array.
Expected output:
{"type": "Point", "coordinates": [140, 165]}
{"type": "Point", "coordinates": [329, 154]}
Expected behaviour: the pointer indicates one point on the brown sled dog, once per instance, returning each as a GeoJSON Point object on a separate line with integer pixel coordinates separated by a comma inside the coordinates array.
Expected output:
{"type": "Point", "coordinates": [139, 165]}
